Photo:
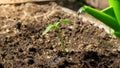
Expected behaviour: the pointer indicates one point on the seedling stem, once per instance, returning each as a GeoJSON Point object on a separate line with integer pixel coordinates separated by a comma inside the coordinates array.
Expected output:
{"type": "Point", "coordinates": [61, 39]}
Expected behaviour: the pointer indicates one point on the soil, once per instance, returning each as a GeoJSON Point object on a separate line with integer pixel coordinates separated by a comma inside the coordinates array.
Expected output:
{"type": "Point", "coordinates": [23, 46]}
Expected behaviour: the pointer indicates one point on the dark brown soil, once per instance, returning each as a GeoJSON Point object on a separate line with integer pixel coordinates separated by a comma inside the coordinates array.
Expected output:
{"type": "Point", "coordinates": [23, 46]}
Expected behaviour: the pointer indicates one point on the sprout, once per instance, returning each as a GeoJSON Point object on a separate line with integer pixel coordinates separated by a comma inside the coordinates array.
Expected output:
{"type": "Point", "coordinates": [56, 26]}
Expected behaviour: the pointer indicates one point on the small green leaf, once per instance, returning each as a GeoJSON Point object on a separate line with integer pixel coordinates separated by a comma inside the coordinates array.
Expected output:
{"type": "Point", "coordinates": [55, 24]}
{"type": "Point", "coordinates": [47, 29]}
{"type": "Point", "coordinates": [65, 21]}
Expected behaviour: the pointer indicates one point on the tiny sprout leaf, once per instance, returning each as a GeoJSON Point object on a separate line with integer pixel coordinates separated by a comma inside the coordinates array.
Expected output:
{"type": "Point", "coordinates": [56, 24]}
{"type": "Point", "coordinates": [65, 21]}
{"type": "Point", "coordinates": [47, 29]}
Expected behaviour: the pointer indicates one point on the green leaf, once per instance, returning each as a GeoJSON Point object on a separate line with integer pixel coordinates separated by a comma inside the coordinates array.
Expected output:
{"type": "Point", "coordinates": [65, 21]}
{"type": "Point", "coordinates": [55, 24]}
{"type": "Point", "coordinates": [47, 29]}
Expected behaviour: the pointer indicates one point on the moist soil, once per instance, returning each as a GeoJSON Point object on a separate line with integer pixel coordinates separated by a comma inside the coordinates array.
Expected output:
{"type": "Point", "coordinates": [23, 46]}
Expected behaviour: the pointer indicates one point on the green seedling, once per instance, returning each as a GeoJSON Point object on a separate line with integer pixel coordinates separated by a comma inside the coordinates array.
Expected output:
{"type": "Point", "coordinates": [56, 26]}
{"type": "Point", "coordinates": [109, 16]}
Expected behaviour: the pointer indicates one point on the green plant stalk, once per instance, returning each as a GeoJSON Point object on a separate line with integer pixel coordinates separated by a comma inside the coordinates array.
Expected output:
{"type": "Point", "coordinates": [61, 39]}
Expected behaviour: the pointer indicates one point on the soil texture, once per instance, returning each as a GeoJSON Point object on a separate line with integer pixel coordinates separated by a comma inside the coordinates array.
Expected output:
{"type": "Point", "coordinates": [23, 46]}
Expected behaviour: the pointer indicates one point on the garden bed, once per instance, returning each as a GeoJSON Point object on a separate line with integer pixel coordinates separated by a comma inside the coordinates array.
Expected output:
{"type": "Point", "coordinates": [22, 44]}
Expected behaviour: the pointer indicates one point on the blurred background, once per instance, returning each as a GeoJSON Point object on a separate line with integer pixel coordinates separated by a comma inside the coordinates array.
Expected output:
{"type": "Point", "coordinates": [71, 4]}
{"type": "Point", "coordinates": [100, 4]}
{"type": "Point", "coordinates": [76, 4]}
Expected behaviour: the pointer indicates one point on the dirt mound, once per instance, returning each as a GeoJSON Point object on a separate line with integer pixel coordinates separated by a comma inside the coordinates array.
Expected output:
{"type": "Point", "coordinates": [22, 45]}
